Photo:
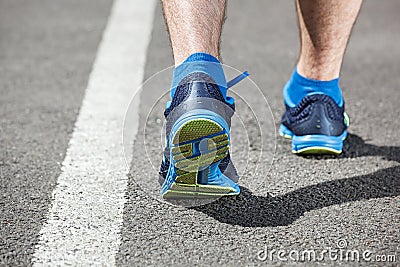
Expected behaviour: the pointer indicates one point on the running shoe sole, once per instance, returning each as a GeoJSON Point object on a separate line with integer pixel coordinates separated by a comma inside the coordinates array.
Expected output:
{"type": "Point", "coordinates": [315, 144]}
{"type": "Point", "coordinates": [196, 144]}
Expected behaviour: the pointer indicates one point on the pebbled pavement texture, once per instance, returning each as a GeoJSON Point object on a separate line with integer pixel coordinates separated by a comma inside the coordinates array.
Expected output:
{"type": "Point", "coordinates": [298, 203]}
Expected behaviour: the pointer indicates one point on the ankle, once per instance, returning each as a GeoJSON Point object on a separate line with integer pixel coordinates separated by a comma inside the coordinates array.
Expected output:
{"type": "Point", "coordinates": [320, 72]}
{"type": "Point", "coordinates": [200, 62]}
{"type": "Point", "coordinates": [299, 86]}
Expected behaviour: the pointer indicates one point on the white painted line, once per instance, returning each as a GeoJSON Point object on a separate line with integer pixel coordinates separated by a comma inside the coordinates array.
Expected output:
{"type": "Point", "coordinates": [83, 226]}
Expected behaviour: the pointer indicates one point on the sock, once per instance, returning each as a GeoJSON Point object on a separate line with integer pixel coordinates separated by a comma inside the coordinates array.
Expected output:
{"type": "Point", "coordinates": [200, 62]}
{"type": "Point", "coordinates": [299, 86]}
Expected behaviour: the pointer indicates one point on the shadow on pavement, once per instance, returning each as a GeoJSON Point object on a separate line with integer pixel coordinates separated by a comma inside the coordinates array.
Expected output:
{"type": "Point", "coordinates": [249, 210]}
{"type": "Point", "coordinates": [355, 146]}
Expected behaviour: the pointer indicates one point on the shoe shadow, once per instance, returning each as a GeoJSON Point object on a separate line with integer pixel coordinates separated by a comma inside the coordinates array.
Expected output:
{"type": "Point", "coordinates": [354, 146]}
{"type": "Point", "coordinates": [249, 210]}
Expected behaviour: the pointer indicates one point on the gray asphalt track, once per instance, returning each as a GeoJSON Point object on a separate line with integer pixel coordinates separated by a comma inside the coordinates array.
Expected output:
{"type": "Point", "coordinates": [46, 53]}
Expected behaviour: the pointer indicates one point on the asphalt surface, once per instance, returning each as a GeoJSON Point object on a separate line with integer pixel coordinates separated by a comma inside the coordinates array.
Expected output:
{"type": "Point", "coordinates": [47, 50]}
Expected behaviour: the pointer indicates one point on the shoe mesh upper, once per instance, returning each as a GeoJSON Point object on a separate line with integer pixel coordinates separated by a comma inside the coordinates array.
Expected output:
{"type": "Point", "coordinates": [315, 114]}
{"type": "Point", "coordinates": [301, 112]}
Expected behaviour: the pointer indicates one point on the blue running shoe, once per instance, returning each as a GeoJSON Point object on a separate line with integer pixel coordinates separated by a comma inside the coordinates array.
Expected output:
{"type": "Point", "coordinates": [196, 162]}
{"type": "Point", "coordinates": [317, 125]}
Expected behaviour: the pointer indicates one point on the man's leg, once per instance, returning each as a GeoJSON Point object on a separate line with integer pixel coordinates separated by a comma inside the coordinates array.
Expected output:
{"type": "Point", "coordinates": [196, 159]}
{"type": "Point", "coordinates": [194, 26]}
{"type": "Point", "coordinates": [315, 117]}
{"type": "Point", "coordinates": [325, 27]}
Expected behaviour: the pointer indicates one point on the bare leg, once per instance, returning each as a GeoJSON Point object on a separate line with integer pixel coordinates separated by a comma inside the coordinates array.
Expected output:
{"type": "Point", "coordinates": [325, 28]}
{"type": "Point", "coordinates": [194, 26]}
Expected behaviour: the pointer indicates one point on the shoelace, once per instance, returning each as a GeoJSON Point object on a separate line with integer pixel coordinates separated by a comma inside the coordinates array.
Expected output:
{"type": "Point", "coordinates": [237, 79]}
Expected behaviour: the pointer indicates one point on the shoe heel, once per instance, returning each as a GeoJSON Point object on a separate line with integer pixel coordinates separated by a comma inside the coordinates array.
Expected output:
{"type": "Point", "coordinates": [195, 146]}
{"type": "Point", "coordinates": [318, 144]}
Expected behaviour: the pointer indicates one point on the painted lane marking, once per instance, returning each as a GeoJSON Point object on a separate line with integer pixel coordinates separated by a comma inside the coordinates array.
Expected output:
{"type": "Point", "coordinates": [83, 226]}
